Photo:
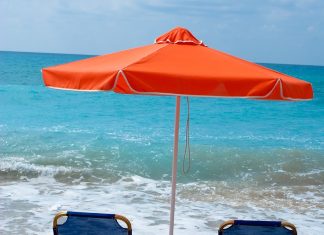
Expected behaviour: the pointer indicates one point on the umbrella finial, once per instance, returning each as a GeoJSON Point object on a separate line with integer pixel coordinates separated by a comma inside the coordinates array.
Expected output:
{"type": "Point", "coordinates": [179, 35]}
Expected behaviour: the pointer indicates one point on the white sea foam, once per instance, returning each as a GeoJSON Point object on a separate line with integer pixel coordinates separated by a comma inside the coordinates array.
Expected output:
{"type": "Point", "coordinates": [200, 208]}
{"type": "Point", "coordinates": [25, 167]}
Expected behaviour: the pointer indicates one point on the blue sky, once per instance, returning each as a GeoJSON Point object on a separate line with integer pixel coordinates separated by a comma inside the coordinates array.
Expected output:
{"type": "Point", "coordinates": [276, 31]}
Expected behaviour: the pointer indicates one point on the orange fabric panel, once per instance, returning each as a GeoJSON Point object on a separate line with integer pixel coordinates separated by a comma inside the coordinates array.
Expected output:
{"type": "Point", "coordinates": [198, 70]}
{"type": "Point", "coordinates": [95, 73]}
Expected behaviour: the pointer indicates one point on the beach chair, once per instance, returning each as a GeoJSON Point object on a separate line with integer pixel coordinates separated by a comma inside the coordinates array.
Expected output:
{"type": "Point", "coordinates": [251, 227]}
{"type": "Point", "coordinates": [83, 223]}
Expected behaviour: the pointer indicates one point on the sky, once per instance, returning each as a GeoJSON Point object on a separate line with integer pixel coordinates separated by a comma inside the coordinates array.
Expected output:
{"type": "Point", "coordinates": [268, 31]}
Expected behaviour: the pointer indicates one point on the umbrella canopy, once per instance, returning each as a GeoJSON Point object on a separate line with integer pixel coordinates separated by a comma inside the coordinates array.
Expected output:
{"type": "Point", "coordinates": [176, 64]}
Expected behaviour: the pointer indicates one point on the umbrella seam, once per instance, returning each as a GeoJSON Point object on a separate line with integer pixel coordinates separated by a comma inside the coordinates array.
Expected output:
{"type": "Point", "coordinates": [258, 65]}
{"type": "Point", "coordinates": [152, 53]}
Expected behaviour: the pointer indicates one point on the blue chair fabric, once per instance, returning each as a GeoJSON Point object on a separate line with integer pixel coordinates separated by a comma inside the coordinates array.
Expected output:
{"type": "Point", "coordinates": [250, 227]}
{"type": "Point", "coordinates": [83, 223]}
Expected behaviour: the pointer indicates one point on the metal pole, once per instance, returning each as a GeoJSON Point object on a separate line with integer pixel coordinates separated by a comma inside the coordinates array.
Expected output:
{"type": "Point", "coordinates": [174, 164]}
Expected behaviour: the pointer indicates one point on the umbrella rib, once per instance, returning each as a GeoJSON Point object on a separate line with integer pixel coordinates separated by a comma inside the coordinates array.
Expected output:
{"type": "Point", "coordinates": [255, 64]}
{"type": "Point", "coordinates": [145, 56]}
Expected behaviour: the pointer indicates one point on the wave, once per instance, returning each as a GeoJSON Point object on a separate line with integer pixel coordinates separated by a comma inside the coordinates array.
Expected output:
{"type": "Point", "coordinates": [260, 167]}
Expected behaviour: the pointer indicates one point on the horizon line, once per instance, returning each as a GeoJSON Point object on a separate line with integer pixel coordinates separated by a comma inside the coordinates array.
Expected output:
{"type": "Point", "coordinates": [64, 53]}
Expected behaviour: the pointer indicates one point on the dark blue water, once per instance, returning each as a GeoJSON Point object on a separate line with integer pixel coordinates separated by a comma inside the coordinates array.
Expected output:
{"type": "Point", "coordinates": [101, 137]}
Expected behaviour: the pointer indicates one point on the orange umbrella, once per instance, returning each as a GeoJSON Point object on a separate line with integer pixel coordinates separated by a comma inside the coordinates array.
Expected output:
{"type": "Point", "coordinates": [177, 64]}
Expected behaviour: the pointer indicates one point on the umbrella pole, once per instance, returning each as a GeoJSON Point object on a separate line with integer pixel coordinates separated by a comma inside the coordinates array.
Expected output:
{"type": "Point", "coordinates": [174, 164]}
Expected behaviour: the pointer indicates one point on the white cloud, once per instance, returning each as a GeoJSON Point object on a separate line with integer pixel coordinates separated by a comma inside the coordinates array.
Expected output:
{"type": "Point", "coordinates": [98, 26]}
{"type": "Point", "coordinates": [98, 7]}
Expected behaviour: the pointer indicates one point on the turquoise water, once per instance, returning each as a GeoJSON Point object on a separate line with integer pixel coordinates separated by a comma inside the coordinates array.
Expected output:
{"type": "Point", "coordinates": [84, 151]}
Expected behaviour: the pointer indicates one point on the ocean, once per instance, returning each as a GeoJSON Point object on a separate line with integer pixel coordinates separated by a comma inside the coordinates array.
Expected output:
{"type": "Point", "coordinates": [112, 153]}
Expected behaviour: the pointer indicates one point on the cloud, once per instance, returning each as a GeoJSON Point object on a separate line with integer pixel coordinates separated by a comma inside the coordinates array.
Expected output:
{"type": "Point", "coordinates": [244, 28]}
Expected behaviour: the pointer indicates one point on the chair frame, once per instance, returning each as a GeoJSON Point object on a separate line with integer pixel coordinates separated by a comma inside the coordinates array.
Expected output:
{"type": "Point", "coordinates": [284, 224]}
{"type": "Point", "coordinates": [92, 215]}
